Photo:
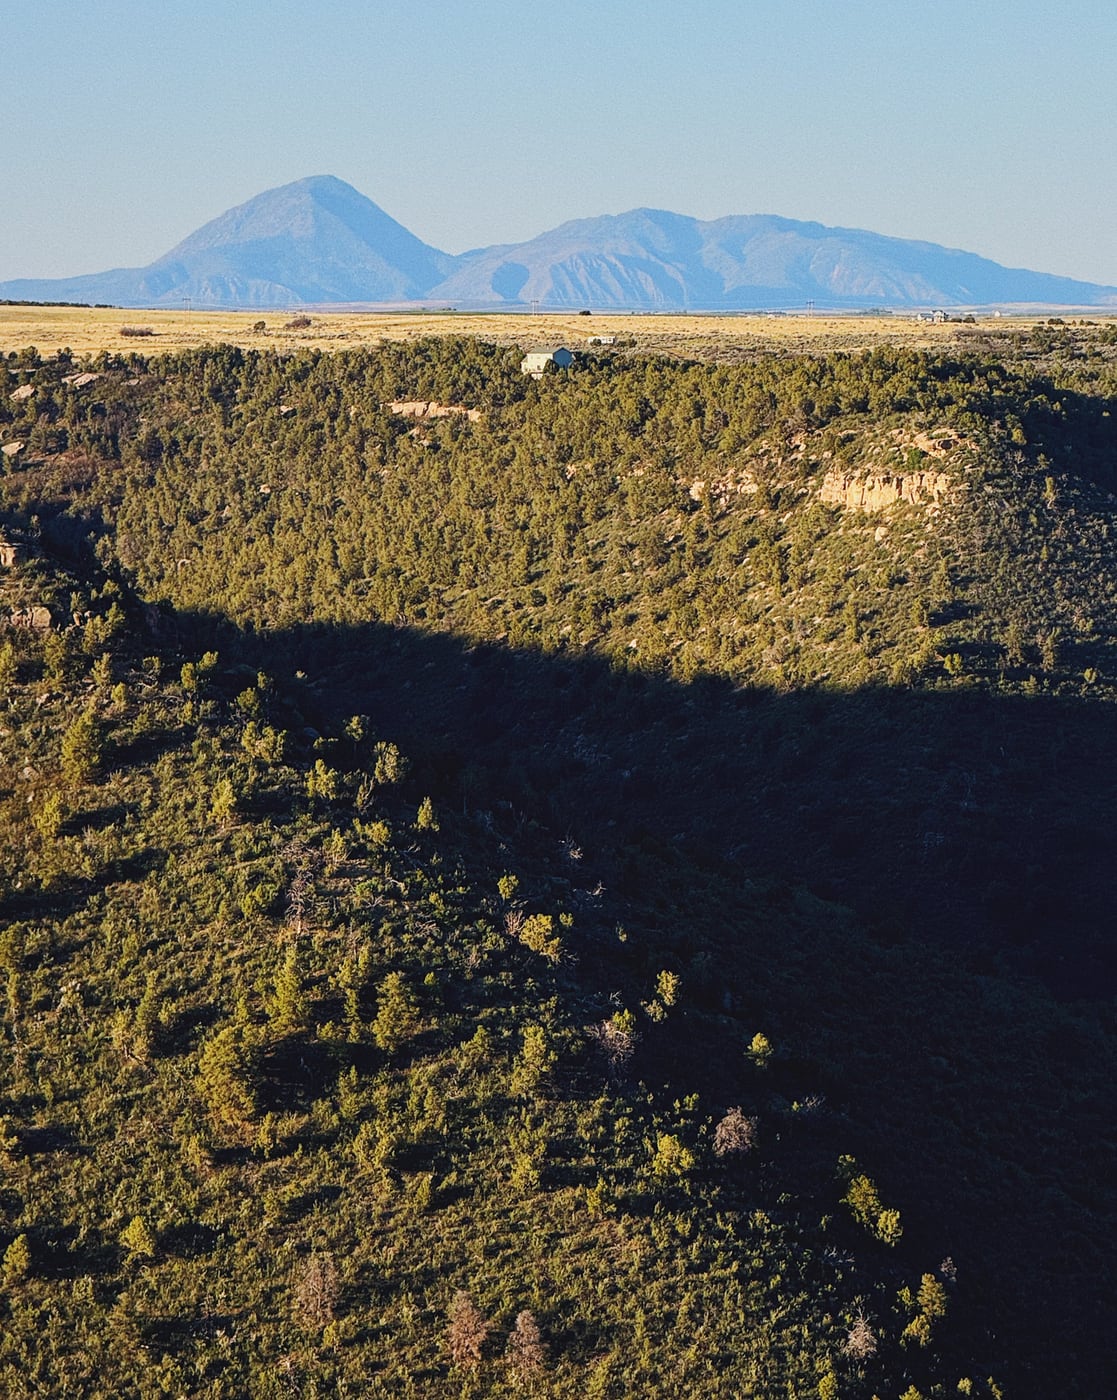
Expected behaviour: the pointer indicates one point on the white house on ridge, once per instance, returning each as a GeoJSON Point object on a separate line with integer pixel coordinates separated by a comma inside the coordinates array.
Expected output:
{"type": "Point", "coordinates": [536, 361]}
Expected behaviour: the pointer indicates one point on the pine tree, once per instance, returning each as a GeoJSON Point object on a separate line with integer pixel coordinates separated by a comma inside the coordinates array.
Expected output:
{"type": "Point", "coordinates": [137, 1239]}
{"type": "Point", "coordinates": [397, 1016]}
{"type": "Point", "coordinates": [288, 1009]}
{"type": "Point", "coordinates": [225, 1077]}
{"type": "Point", "coordinates": [533, 1063]}
{"type": "Point", "coordinates": [17, 1261]}
{"type": "Point", "coordinates": [81, 749]}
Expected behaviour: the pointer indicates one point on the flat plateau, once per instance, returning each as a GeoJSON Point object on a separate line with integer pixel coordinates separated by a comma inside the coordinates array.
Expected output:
{"type": "Point", "coordinates": [89, 330]}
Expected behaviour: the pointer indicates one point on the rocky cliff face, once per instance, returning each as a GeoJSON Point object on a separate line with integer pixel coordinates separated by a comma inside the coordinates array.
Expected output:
{"type": "Point", "coordinates": [878, 491]}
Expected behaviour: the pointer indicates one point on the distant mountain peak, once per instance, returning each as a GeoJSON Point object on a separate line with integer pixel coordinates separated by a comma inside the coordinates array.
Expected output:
{"type": "Point", "coordinates": [319, 240]}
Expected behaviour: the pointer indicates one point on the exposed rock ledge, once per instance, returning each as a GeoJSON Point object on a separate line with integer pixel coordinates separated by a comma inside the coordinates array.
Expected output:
{"type": "Point", "coordinates": [878, 492]}
{"type": "Point", "coordinates": [422, 408]}
{"type": "Point", "coordinates": [36, 617]}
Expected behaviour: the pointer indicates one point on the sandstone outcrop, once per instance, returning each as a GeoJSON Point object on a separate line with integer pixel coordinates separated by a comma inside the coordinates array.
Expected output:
{"type": "Point", "coordinates": [424, 408]}
{"type": "Point", "coordinates": [36, 617]}
{"type": "Point", "coordinates": [12, 552]}
{"type": "Point", "coordinates": [878, 491]}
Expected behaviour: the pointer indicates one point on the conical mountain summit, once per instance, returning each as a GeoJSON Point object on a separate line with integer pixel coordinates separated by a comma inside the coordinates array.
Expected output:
{"type": "Point", "coordinates": [316, 240]}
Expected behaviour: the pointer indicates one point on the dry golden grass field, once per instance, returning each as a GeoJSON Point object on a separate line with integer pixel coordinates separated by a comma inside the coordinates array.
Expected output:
{"type": "Point", "coordinates": [87, 330]}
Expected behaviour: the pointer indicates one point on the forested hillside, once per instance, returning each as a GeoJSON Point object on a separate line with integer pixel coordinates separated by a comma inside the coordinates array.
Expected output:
{"type": "Point", "coordinates": [594, 886]}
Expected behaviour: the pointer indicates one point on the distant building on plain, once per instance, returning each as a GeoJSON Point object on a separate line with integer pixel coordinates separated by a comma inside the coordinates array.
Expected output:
{"type": "Point", "coordinates": [536, 361]}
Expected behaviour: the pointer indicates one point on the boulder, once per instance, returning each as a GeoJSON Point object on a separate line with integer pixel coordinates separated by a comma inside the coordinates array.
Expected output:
{"type": "Point", "coordinates": [36, 617]}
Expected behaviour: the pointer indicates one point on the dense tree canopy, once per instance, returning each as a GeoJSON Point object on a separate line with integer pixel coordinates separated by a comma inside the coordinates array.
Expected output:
{"type": "Point", "coordinates": [411, 983]}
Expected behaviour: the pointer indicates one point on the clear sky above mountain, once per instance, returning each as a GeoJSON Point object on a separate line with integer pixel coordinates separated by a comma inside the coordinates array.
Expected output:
{"type": "Point", "coordinates": [980, 124]}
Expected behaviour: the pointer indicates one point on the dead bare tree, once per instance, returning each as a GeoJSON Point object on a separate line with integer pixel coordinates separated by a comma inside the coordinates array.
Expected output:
{"type": "Point", "coordinates": [307, 865]}
{"type": "Point", "coordinates": [466, 1331]}
{"type": "Point", "coordinates": [735, 1133]}
{"type": "Point", "coordinates": [527, 1352]}
{"type": "Point", "coordinates": [861, 1342]}
{"type": "Point", "coordinates": [616, 1037]}
{"type": "Point", "coordinates": [316, 1291]}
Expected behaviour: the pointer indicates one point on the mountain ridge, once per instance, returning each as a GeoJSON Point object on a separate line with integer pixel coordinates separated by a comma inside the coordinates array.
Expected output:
{"type": "Point", "coordinates": [320, 241]}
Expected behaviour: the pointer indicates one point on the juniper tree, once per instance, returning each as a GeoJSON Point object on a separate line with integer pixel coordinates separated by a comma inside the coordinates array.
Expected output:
{"type": "Point", "coordinates": [17, 1261]}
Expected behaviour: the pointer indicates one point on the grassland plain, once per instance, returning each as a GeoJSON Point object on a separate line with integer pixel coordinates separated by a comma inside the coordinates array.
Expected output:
{"type": "Point", "coordinates": [90, 330]}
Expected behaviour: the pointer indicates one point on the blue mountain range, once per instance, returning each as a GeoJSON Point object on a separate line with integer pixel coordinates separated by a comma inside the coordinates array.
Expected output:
{"type": "Point", "coordinates": [319, 241]}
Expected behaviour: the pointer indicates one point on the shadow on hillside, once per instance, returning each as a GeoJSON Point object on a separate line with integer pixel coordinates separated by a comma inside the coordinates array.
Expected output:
{"type": "Point", "coordinates": [1075, 432]}
{"type": "Point", "coordinates": [976, 819]}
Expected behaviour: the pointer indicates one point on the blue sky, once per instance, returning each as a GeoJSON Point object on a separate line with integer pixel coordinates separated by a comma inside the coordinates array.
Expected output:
{"type": "Point", "coordinates": [982, 124]}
